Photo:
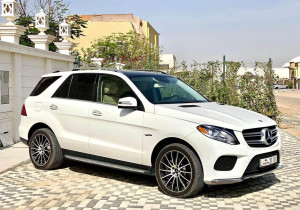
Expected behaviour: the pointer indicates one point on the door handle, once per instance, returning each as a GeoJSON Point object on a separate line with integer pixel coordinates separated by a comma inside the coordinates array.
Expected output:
{"type": "Point", "coordinates": [96, 113]}
{"type": "Point", "coordinates": [53, 107]}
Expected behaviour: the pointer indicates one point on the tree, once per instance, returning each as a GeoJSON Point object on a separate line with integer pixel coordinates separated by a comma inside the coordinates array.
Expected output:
{"type": "Point", "coordinates": [132, 49]}
{"type": "Point", "coordinates": [57, 12]}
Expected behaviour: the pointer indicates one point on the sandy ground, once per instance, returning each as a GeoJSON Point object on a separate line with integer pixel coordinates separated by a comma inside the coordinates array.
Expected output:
{"type": "Point", "coordinates": [288, 102]}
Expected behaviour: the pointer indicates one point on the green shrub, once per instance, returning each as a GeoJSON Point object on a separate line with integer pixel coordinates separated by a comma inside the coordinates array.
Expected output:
{"type": "Point", "coordinates": [290, 85]}
{"type": "Point", "coordinates": [249, 91]}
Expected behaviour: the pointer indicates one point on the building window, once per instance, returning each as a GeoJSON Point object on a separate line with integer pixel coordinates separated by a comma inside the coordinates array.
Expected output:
{"type": "Point", "coordinates": [4, 87]}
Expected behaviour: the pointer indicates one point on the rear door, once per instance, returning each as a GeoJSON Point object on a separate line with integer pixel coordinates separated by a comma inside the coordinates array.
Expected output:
{"type": "Point", "coordinates": [69, 109]}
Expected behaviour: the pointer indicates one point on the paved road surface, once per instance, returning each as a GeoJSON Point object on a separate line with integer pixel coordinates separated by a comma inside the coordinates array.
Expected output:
{"type": "Point", "coordinates": [78, 186]}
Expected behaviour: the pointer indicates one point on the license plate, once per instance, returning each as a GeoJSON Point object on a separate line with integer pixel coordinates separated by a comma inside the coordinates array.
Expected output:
{"type": "Point", "coordinates": [267, 161]}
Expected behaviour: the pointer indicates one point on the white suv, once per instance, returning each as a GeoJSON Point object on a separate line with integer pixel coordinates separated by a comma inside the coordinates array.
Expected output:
{"type": "Point", "coordinates": [146, 122]}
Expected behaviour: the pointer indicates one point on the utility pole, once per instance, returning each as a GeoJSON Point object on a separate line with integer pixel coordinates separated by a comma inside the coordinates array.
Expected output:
{"type": "Point", "coordinates": [224, 77]}
{"type": "Point", "coordinates": [270, 69]}
{"type": "Point", "coordinates": [149, 61]}
{"type": "Point", "coordinates": [78, 62]}
{"type": "Point", "coordinates": [270, 66]}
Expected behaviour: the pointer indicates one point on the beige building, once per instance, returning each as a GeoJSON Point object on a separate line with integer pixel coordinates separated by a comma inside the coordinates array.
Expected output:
{"type": "Point", "coordinates": [294, 68]}
{"type": "Point", "coordinates": [106, 24]}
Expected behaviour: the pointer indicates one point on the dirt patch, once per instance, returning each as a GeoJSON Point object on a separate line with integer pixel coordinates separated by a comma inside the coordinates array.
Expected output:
{"type": "Point", "coordinates": [288, 102]}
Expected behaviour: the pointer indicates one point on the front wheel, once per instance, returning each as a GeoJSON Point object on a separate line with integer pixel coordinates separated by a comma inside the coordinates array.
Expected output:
{"type": "Point", "coordinates": [179, 171]}
{"type": "Point", "coordinates": [44, 150]}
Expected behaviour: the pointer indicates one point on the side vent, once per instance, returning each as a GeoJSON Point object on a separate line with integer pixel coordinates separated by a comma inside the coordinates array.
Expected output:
{"type": "Point", "coordinates": [189, 105]}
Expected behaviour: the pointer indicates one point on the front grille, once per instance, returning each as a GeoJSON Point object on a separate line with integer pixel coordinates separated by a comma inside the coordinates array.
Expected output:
{"type": "Point", "coordinates": [254, 136]}
{"type": "Point", "coordinates": [254, 168]}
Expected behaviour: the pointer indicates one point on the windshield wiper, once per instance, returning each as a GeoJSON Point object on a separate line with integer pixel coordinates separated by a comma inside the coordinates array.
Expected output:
{"type": "Point", "coordinates": [181, 102]}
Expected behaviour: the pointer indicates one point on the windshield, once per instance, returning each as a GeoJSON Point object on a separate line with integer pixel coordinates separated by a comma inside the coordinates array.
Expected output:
{"type": "Point", "coordinates": [165, 89]}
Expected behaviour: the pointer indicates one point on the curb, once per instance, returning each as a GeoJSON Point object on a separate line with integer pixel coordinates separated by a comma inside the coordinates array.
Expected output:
{"type": "Point", "coordinates": [15, 166]}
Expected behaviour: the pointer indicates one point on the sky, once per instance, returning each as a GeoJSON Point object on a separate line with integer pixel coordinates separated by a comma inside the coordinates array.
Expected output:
{"type": "Point", "coordinates": [205, 30]}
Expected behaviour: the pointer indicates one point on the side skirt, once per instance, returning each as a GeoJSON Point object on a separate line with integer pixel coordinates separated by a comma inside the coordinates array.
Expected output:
{"type": "Point", "coordinates": [107, 162]}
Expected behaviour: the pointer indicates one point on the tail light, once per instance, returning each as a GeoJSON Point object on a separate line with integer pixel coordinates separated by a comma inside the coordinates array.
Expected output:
{"type": "Point", "coordinates": [23, 112]}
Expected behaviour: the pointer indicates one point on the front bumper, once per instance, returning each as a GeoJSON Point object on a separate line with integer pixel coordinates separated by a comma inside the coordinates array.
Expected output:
{"type": "Point", "coordinates": [210, 150]}
{"type": "Point", "coordinates": [236, 180]}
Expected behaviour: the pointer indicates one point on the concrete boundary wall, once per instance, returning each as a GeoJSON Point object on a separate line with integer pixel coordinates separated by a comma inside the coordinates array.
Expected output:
{"type": "Point", "coordinates": [25, 65]}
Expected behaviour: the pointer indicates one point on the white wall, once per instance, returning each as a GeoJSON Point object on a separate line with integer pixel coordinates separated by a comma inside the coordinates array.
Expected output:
{"type": "Point", "coordinates": [167, 59]}
{"type": "Point", "coordinates": [26, 65]}
{"type": "Point", "coordinates": [282, 73]}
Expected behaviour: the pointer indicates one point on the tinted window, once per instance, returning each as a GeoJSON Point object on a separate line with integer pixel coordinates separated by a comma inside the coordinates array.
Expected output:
{"type": "Point", "coordinates": [43, 84]}
{"type": "Point", "coordinates": [82, 86]}
{"type": "Point", "coordinates": [111, 89]}
{"type": "Point", "coordinates": [63, 90]}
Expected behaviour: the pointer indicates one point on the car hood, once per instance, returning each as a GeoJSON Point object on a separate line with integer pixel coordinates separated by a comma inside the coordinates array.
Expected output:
{"type": "Point", "coordinates": [212, 113]}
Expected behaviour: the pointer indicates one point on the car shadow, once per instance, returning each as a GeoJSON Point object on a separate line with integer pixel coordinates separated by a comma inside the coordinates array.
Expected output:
{"type": "Point", "coordinates": [215, 191]}
{"type": "Point", "coordinates": [239, 189]}
{"type": "Point", "coordinates": [109, 173]}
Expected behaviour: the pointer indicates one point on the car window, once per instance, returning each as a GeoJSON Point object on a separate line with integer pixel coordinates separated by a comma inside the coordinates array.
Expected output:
{"type": "Point", "coordinates": [172, 90]}
{"type": "Point", "coordinates": [111, 89]}
{"type": "Point", "coordinates": [63, 90]}
{"type": "Point", "coordinates": [77, 86]}
{"type": "Point", "coordinates": [43, 84]}
{"type": "Point", "coordinates": [82, 86]}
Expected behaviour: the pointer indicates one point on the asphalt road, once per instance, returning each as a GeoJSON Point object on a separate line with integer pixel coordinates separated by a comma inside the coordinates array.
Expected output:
{"type": "Point", "coordinates": [288, 102]}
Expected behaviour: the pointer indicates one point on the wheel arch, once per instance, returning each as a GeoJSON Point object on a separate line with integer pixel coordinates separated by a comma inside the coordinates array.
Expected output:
{"type": "Point", "coordinates": [36, 127]}
{"type": "Point", "coordinates": [160, 145]}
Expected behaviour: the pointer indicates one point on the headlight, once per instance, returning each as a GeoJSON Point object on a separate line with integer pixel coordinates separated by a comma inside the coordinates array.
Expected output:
{"type": "Point", "coordinates": [219, 134]}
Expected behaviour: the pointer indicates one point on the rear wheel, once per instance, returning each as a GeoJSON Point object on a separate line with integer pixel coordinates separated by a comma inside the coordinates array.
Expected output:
{"type": "Point", "coordinates": [45, 152]}
{"type": "Point", "coordinates": [179, 171]}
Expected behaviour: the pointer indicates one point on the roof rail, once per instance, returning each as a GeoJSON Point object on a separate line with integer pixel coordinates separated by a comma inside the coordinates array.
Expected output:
{"type": "Point", "coordinates": [55, 71]}
{"type": "Point", "coordinates": [116, 70]}
{"type": "Point", "coordinates": [96, 68]}
{"type": "Point", "coordinates": [153, 70]}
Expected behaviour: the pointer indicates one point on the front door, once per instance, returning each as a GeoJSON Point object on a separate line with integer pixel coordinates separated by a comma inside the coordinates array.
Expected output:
{"type": "Point", "coordinates": [115, 133]}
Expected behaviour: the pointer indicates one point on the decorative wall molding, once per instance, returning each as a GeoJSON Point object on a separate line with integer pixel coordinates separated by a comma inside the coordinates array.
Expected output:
{"type": "Point", "coordinates": [14, 48]}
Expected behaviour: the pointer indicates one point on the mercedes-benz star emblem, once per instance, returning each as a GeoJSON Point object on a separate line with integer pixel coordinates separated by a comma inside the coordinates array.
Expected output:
{"type": "Point", "coordinates": [266, 136]}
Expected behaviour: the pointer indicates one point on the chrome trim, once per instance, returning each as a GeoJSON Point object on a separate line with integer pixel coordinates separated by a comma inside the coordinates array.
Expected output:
{"type": "Point", "coordinates": [250, 142]}
{"type": "Point", "coordinates": [237, 180]}
{"type": "Point", "coordinates": [258, 138]}
{"type": "Point", "coordinates": [96, 113]}
{"type": "Point", "coordinates": [250, 134]}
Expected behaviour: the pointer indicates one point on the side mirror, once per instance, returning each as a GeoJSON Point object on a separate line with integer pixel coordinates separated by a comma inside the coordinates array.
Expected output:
{"type": "Point", "coordinates": [127, 103]}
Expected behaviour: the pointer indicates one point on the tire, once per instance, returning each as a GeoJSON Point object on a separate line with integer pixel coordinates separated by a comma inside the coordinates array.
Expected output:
{"type": "Point", "coordinates": [171, 179]}
{"type": "Point", "coordinates": [44, 150]}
